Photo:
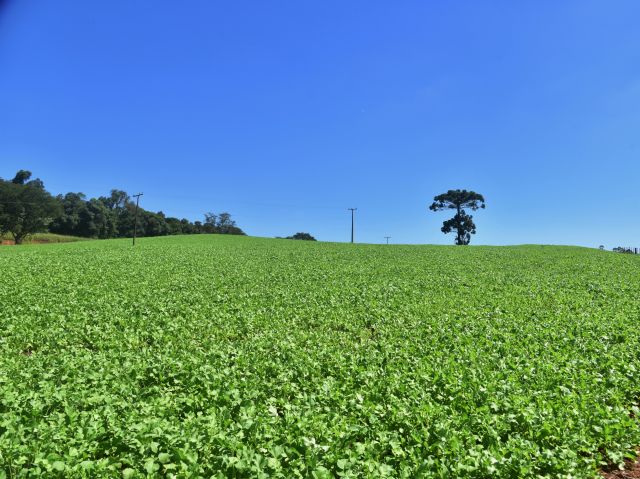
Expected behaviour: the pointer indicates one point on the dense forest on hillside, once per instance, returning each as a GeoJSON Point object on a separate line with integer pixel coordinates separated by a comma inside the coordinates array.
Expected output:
{"type": "Point", "coordinates": [26, 208]}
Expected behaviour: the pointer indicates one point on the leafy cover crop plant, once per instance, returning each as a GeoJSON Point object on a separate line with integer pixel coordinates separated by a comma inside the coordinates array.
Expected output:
{"type": "Point", "coordinates": [214, 356]}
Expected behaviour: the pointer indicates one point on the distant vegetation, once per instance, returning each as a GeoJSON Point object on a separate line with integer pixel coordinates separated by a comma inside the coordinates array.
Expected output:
{"type": "Point", "coordinates": [301, 236]}
{"type": "Point", "coordinates": [27, 208]}
{"type": "Point", "coordinates": [627, 250]}
{"type": "Point", "coordinates": [220, 224]}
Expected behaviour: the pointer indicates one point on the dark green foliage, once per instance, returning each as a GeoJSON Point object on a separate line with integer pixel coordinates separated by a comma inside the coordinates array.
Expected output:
{"type": "Point", "coordinates": [25, 206]}
{"type": "Point", "coordinates": [174, 225]}
{"type": "Point", "coordinates": [187, 227]}
{"type": "Point", "coordinates": [220, 224]}
{"type": "Point", "coordinates": [302, 236]}
{"type": "Point", "coordinates": [117, 200]}
{"type": "Point", "coordinates": [99, 222]}
{"type": "Point", "coordinates": [21, 177]}
{"type": "Point", "coordinates": [72, 207]}
{"type": "Point", "coordinates": [461, 223]}
{"type": "Point", "coordinates": [622, 249]}
{"type": "Point", "coordinates": [79, 217]}
{"type": "Point", "coordinates": [153, 224]}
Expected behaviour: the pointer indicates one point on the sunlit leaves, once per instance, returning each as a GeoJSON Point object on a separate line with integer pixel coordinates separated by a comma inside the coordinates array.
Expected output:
{"type": "Point", "coordinates": [214, 356]}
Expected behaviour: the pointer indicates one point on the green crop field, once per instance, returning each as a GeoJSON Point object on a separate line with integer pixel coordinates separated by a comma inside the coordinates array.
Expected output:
{"type": "Point", "coordinates": [218, 356]}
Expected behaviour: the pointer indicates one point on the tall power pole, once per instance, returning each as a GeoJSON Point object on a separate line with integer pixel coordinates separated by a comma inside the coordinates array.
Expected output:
{"type": "Point", "coordinates": [135, 223]}
{"type": "Point", "coordinates": [387, 238]}
{"type": "Point", "coordinates": [352, 211]}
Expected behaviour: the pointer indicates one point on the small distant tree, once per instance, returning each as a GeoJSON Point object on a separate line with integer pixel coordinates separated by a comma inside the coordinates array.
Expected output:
{"type": "Point", "coordinates": [220, 224]}
{"type": "Point", "coordinates": [301, 236]}
{"type": "Point", "coordinates": [226, 225]}
{"type": "Point", "coordinates": [25, 206]}
{"type": "Point", "coordinates": [461, 223]}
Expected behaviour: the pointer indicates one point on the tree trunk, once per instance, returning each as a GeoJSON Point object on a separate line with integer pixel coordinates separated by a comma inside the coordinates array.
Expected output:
{"type": "Point", "coordinates": [459, 229]}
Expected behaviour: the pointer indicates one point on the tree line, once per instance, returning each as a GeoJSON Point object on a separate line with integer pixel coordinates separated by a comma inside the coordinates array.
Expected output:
{"type": "Point", "coordinates": [626, 249]}
{"type": "Point", "coordinates": [26, 207]}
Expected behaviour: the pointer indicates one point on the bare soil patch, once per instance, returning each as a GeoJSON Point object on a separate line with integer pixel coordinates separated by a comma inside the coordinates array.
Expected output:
{"type": "Point", "coordinates": [631, 470]}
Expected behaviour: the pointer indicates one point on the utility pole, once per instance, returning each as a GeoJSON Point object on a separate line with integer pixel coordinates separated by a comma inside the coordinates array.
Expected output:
{"type": "Point", "coordinates": [135, 223]}
{"type": "Point", "coordinates": [352, 210]}
{"type": "Point", "coordinates": [387, 238]}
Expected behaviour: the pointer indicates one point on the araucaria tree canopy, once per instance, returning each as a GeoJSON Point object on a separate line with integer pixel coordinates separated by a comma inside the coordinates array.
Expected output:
{"type": "Point", "coordinates": [462, 223]}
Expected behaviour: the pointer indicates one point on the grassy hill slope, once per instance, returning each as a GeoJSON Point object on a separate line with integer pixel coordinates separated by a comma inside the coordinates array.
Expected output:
{"type": "Point", "coordinates": [247, 357]}
{"type": "Point", "coordinates": [43, 238]}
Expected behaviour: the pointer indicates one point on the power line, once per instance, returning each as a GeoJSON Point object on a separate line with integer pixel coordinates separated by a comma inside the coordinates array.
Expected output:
{"type": "Point", "coordinates": [387, 238]}
{"type": "Point", "coordinates": [352, 211]}
{"type": "Point", "coordinates": [135, 223]}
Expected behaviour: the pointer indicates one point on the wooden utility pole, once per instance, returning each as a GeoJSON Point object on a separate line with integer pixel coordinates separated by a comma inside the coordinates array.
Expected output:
{"type": "Point", "coordinates": [135, 223]}
{"type": "Point", "coordinates": [352, 210]}
{"type": "Point", "coordinates": [387, 238]}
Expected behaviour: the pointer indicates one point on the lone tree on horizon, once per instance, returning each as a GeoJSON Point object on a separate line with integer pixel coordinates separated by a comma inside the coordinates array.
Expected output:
{"type": "Point", "coordinates": [462, 223]}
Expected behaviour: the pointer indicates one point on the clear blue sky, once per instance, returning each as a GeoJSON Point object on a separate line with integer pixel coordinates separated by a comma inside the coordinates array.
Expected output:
{"type": "Point", "coordinates": [286, 113]}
